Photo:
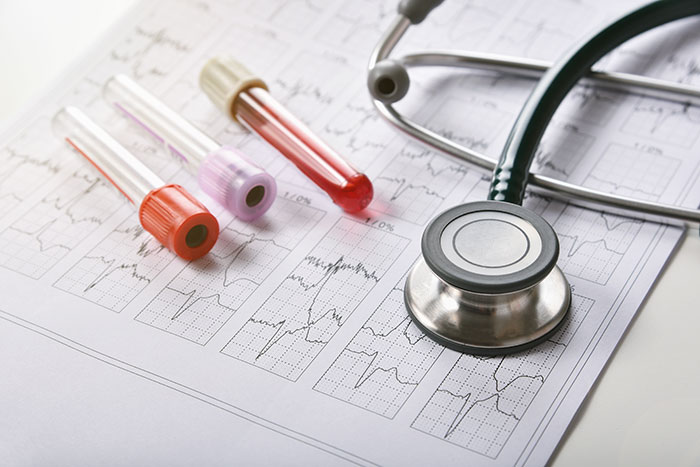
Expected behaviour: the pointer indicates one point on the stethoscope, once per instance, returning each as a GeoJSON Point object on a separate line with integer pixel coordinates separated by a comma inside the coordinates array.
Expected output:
{"type": "Point", "coordinates": [487, 282]}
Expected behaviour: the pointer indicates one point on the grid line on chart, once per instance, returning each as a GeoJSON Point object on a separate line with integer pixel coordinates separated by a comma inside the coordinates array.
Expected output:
{"type": "Point", "coordinates": [591, 104]}
{"type": "Point", "coordinates": [48, 231]}
{"type": "Point", "coordinates": [384, 362]}
{"type": "Point", "coordinates": [356, 26]}
{"type": "Point", "coordinates": [296, 16]}
{"type": "Point", "coordinates": [306, 310]}
{"type": "Point", "coordinates": [593, 243]}
{"type": "Point", "coordinates": [204, 295]}
{"type": "Point", "coordinates": [481, 400]}
{"type": "Point", "coordinates": [158, 44]}
{"type": "Point", "coordinates": [304, 87]}
{"type": "Point", "coordinates": [479, 128]}
{"type": "Point", "coordinates": [356, 131]}
{"type": "Point", "coordinates": [416, 182]}
{"type": "Point", "coordinates": [637, 172]}
{"type": "Point", "coordinates": [561, 150]}
{"type": "Point", "coordinates": [118, 268]}
{"type": "Point", "coordinates": [675, 123]}
{"type": "Point", "coordinates": [545, 32]}
{"type": "Point", "coordinates": [27, 163]}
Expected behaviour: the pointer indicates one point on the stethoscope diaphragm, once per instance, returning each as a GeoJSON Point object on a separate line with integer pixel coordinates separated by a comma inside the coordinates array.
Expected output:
{"type": "Point", "coordinates": [488, 282]}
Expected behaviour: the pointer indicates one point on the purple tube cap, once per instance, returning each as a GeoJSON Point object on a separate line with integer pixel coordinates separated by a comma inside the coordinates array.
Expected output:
{"type": "Point", "coordinates": [234, 181]}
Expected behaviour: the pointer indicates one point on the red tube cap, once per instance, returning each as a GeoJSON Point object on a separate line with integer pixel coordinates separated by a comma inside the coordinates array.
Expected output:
{"type": "Point", "coordinates": [178, 221]}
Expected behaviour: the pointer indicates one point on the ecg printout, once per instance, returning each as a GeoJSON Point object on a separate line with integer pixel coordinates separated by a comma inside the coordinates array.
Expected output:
{"type": "Point", "coordinates": [296, 321]}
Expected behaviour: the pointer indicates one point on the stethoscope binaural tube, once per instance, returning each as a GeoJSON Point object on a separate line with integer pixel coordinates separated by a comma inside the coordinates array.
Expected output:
{"type": "Point", "coordinates": [511, 173]}
{"type": "Point", "coordinates": [487, 282]}
{"type": "Point", "coordinates": [382, 67]}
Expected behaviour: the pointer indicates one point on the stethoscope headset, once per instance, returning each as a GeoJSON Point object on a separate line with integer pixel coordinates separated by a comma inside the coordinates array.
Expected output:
{"type": "Point", "coordinates": [487, 282]}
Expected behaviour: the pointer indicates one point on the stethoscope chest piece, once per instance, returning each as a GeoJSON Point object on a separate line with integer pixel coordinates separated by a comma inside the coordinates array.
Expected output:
{"type": "Point", "coordinates": [488, 282]}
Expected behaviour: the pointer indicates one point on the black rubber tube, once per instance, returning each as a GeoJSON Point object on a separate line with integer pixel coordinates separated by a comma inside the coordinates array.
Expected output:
{"type": "Point", "coordinates": [510, 175]}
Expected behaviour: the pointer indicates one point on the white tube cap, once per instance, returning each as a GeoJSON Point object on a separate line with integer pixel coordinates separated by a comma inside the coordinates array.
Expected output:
{"type": "Point", "coordinates": [223, 79]}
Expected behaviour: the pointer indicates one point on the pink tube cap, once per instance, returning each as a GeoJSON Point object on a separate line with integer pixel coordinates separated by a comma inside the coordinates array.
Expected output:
{"type": "Point", "coordinates": [236, 182]}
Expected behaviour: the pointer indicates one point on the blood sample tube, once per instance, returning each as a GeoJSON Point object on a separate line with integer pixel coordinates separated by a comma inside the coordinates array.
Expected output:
{"type": "Point", "coordinates": [244, 97]}
{"type": "Point", "coordinates": [223, 172]}
{"type": "Point", "coordinates": [172, 215]}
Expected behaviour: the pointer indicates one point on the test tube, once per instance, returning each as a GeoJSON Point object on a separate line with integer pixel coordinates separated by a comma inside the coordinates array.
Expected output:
{"type": "Point", "coordinates": [223, 172]}
{"type": "Point", "coordinates": [243, 96]}
{"type": "Point", "coordinates": [172, 215]}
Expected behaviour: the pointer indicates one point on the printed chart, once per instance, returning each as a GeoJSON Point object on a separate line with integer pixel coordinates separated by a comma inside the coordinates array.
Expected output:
{"type": "Point", "coordinates": [27, 163]}
{"type": "Point", "coordinates": [676, 123]}
{"type": "Point", "coordinates": [118, 268]}
{"type": "Point", "coordinates": [205, 293]}
{"type": "Point", "coordinates": [592, 243]}
{"type": "Point", "coordinates": [385, 361]}
{"type": "Point", "coordinates": [416, 182]}
{"type": "Point", "coordinates": [643, 173]}
{"type": "Point", "coordinates": [481, 400]}
{"type": "Point", "coordinates": [34, 243]}
{"type": "Point", "coordinates": [313, 302]}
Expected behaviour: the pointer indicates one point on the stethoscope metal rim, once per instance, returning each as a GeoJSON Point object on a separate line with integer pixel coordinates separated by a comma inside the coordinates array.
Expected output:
{"type": "Point", "coordinates": [486, 324]}
{"type": "Point", "coordinates": [556, 188]}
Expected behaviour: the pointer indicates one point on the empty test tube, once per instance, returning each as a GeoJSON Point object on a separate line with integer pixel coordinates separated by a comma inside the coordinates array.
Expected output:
{"type": "Point", "coordinates": [243, 96]}
{"type": "Point", "coordinates": [171, 214]}
{"type": "Point", "coordinates": [223, 172]}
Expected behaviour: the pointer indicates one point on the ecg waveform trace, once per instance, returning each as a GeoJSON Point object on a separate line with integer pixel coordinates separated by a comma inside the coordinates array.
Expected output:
{"type": "Point", "coordinates": [592, 243]}
{"type": "Point", "coordinates": [384, 362]}
{"type": "Point", "coordinates": [314, 301]}
{"type": "Point", "coordinates": [479, 129]}
{"type": "Point", "coordinates": [590, 104]}
{"type": "Point", "coordinates": [27, 163]}
{"type": "Point", "coordinates": [34, 243]}
{"type": "Point", "coordinates": [562, 148]}
{"type": "Point", "coordinates": [199, 300]}
{"type": "Point", "coordinates": [305, 85]}
{"type": "Point", "coordinates": [156, 45]}
{"type": "Point", "coordinates": [357, 25]}
{"type": "Point", "coordinates": [118, 268]}
{"type": "Point", "coordinates": [357, 132]}
{"type": "Point", "coordinates": [482, 399]}
{"type": "Point", "coordinates": [292, 15]}
{"type": "Point", "coordinates": [546, 31]}
{"type": "Point", "coordinates": [636, 172]}
{"type": "Point", "coordinates": [676, 123]}
{"type": "Point", "coordinates": [416, 183]}
{"type": "Point", "coordinates": [457, 25]}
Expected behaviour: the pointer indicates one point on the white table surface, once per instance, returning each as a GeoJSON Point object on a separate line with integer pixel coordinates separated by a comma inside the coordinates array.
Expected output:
{"type": "Point", "coordinates": [645, 408]}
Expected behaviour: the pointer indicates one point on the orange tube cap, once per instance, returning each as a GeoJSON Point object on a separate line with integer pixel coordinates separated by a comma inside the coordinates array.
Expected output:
{"type": "Point", "coordinates": [178, 221]}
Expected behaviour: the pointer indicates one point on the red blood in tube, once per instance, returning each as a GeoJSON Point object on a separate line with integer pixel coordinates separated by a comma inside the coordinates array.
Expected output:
{"type": "Point", "coordinates": [349, 189]}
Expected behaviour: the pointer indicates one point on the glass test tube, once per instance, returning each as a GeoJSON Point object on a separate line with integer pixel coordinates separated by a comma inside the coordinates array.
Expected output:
{"type": "Point", "coordinates": [223, 172]}
{"type": "Point", "coordinates": [245, 98]}
{"type": "Point", "coordinates": [172, 215]}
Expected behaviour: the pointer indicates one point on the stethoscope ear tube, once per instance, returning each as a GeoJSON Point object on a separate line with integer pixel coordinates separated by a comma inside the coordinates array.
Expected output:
{"type": "Point", "coordinates": [510, 176]}
{"type": "Point", "coordinates": [553, 187]}
{"type": "Point", "coordinates": [417, 10]}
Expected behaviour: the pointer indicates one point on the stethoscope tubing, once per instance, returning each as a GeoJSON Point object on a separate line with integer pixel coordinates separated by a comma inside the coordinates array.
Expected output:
{"type": "Point", "coordinates": [557, 188]}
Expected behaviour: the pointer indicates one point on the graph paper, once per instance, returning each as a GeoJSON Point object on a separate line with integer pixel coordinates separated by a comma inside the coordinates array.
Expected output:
{"type": "Point", "coordinates": [293, 328]}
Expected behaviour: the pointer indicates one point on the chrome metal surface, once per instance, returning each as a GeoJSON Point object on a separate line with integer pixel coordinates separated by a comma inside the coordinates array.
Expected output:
{"type": "Point", "coordinates": [389, 39]}
{"type": "Point", "coordinates": [486, 324]}
{"type": "Point", "coordinates": [535, 68]}
{"type": "Point", "coordinates": [615, 203]}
